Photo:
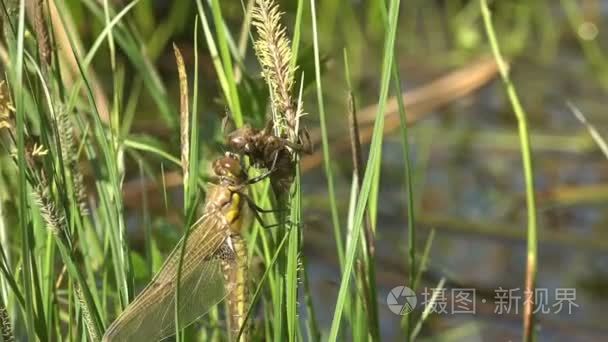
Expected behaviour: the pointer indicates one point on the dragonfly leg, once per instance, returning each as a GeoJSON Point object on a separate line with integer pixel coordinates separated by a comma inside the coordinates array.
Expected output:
{"type": "Point", "coordinates": [263, 223]}
{"type": "Point", "coordinates": [257, 208]}
{"type": "Point", "coordinates": [269, 226]}
{"type": "Point", "coordinates": [259, 178]}
{"type": "Point", "coordinates": [304, 144]}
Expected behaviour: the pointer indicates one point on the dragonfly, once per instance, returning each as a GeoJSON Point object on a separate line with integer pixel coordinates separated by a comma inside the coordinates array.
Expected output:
{"type": "Point", "coordinates": [271, 152]}
{"type": "Point", "coordinates": [214, 266]}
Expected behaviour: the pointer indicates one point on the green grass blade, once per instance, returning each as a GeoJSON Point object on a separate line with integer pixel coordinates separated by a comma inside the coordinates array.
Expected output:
{"type": "Point", "coordinates": [111, 196]}
{"type": "Point", "coordinates": [528, 171]}
{"type": "Point", "coordinates": [26, 242]}
{"type": "Point", "coordinates": [194, 124]}
{"type": "Point", "coordinates": [142, 146]}
{"type": "Point", "coordinates": [411, 237]}
{"type": "Point", "coordinates": [373, 159]}
{"type": "Point", "coordinates": [325, 142]}
{"type": "Point", "coordinates": [428, 309]}
{"type": "Point", "coordinates": [293, 250]}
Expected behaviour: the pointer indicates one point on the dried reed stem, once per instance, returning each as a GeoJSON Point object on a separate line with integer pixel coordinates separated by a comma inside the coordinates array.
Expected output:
{"type": "Point", "coordinates": [183, 107]}
{"type": "Point", "coordinates": [34, 11]}
{"type": "Point", "coordinates": [368, 275]}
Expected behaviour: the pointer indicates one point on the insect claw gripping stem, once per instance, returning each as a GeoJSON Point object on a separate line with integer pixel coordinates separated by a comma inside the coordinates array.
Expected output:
{"type": "Point", "coordinates": [255, 207]}
{"type": "Point", "coordinates": [305, 142]}
{"type": "Point", "coordinates": [257, 210]}
{"type": "Point", "coordinates": [260, 177]}
{"type": "Point", "coordinates": [270, 226]}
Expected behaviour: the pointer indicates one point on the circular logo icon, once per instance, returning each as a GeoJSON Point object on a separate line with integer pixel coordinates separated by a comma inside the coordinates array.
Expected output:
{"type": "Point", "coordinates": [401, 300]}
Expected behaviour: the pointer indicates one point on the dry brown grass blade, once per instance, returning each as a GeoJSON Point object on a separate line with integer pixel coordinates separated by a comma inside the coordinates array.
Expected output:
{"type": "Point", "coordinates": [566, 195]}
{"type": "Point", "coordinates": [366, 274]}
{"type": "Point", "coordinates": [35, 14]}
{"type": "Point", "coordinates": [183, 111]}
{"type": "Point", "coordinates": [69, 62]}
{"type": "Point", "coordinates": [418, 104]}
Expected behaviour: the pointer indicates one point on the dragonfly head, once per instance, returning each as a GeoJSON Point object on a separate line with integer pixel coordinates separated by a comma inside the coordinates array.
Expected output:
{"type": "Point", "coordinates": [229, 168]}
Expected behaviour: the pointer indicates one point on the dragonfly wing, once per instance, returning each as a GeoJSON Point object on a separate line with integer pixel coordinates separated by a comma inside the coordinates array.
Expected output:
{"type": "Point", "coordinates": [151, 316]}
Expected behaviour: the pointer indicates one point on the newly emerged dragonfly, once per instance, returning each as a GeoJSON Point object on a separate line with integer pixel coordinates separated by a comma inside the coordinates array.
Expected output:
{"type": "Point", "coordinates": [266, 150]}
{"type": "Point", "coordinates": [214, 266]}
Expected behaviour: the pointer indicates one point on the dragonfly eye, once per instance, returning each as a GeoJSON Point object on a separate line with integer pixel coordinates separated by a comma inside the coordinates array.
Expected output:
{"type": "Point", "coordinates": [229, 166]}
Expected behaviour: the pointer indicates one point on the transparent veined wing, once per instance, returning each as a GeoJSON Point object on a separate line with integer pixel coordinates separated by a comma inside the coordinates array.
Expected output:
{"type": "Point", "coordinates": [151, 316]}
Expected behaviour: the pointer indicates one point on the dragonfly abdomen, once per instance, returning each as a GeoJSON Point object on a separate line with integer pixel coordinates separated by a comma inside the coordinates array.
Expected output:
{"type": "Point", "coordinates": [236, 285]}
